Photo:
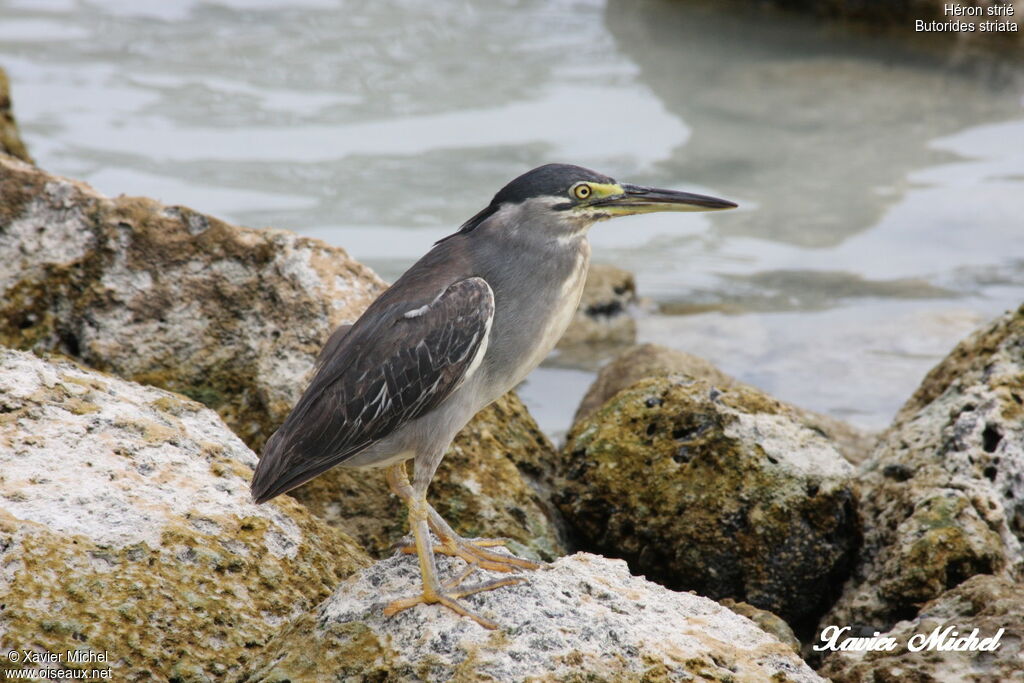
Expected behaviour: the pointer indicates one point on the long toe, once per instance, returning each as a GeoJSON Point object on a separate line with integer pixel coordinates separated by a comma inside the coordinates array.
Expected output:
{"type": "Point", "coordinates": [474, 551]}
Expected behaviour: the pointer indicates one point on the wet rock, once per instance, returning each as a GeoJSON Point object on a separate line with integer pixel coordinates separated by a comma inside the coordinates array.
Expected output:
{"type": "Point", "coordinates": [126, 527]}
{"type": "Point", "coordinates": [487, 485]}
{"type": "Point", "coordinates": [983, 602]}
{"type": "Point", "coordinates": [943, 494]}
{"type": "Point", "coordinates": [718, 491]}
{"type": "Point", "coordinates": [585, 618]}
{"type": "Point", "coordinates": [654, 360]}
{"type": "Point", "coordinates": [10, 138]}
{"type": "Point", "coordinates": [164, 295]}
{"type": "Point", "coordinates": [234, 318]}
{"type": "Point", "coordinates": [604, 312]}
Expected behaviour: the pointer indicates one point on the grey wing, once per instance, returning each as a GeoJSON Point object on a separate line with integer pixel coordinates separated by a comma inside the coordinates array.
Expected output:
{"type": "Point", "coordinates": [394, 365]}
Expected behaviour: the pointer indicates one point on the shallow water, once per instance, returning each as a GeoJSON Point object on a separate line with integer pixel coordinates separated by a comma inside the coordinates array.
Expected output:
{"type": "Point", "coordinates": [880, 185]}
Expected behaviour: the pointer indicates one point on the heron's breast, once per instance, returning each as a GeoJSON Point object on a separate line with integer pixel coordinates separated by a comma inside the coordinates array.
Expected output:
{"type": "Point", "coordinates": [536, 318]}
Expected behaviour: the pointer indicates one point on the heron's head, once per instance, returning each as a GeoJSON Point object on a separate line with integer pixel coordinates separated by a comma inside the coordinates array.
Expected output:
{"type": "Point", "coordinates": [562, 200]}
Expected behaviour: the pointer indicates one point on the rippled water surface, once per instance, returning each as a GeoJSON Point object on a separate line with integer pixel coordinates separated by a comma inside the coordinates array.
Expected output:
{"type": "Point", "coordinates": [881, 186]}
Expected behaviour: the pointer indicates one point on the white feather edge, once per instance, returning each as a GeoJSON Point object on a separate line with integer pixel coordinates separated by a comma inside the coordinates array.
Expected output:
{"type": "Point", "coordinates": [482, 350]}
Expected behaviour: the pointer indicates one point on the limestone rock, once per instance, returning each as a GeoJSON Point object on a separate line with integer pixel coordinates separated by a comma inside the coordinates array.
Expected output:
{"type": "Point", "coordinates": [654, 360]}
{"type": "Point", "coordinates": [164, 295]}
{"type": "Point", "coordinates": [10, 139]}
{"type": "Point", "coordinates": [603, 315]}
{"type": "Point", "coordinates": [485, 486]}
{"type": "Point", "coordinates": [126, 526]}
{"type": "Point", "coordinates": [584, 618]}
{"type": "Point", "coordinates": [990, 355]}
{"type": "Point", "coordinates": [943, 494]}
{"type": "Point", "coordinates": [721, 492]}
{"type": "Point", "coordinates": [983, 602]}
{"type": "Point", "coordinates": [765, 620]}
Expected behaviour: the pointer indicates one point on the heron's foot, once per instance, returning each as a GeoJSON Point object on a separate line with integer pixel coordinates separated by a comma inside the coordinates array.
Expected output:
{"type": "Point", "coordinates": [449, 595]}
{"type": "Point", "coordinates": [474, 552]}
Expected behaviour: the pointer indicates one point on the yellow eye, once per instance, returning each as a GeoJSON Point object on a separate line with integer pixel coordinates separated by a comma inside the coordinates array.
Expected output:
{"type": "Point", "coordinates": [582, 191]}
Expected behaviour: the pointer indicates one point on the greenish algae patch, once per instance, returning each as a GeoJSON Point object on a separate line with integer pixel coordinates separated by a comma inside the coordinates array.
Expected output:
{"type": "Point", "coordinates": [193, 609]}
{"type": "Point", "coordinates": [944, 545]}
{"type": "Point", "coordinates": [176, 405]}
{"type": "Point", "coordinates": [303, 652]}
{"type": "Point", "coordinates": [657, 477]}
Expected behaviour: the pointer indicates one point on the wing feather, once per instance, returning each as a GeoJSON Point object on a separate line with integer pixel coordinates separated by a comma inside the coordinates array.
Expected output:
{"type": "Point", "coordinates": [386, 370]}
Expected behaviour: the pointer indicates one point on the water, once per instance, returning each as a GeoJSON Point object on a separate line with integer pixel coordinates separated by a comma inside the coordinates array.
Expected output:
{"type": "Point", "coordinates": [880, 184]}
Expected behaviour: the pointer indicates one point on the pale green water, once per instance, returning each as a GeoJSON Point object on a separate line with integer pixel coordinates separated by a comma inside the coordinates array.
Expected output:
{"type": "Point", "coordinates": [881, 187]}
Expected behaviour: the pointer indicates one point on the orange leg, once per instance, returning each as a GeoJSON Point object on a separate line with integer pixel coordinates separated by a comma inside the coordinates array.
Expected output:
{"type": "Point", "coordinates": [433, 591]}
{"type": "Point", "coordinates": [473, 551]}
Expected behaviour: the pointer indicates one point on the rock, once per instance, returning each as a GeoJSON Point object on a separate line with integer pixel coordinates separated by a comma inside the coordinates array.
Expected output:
{"type": "Point", "coordinates": [164, 295]}
{"type": "Point", "coordinates": [990, 355]}
{"type": "Point", "coordinates": [584, 618]}
{"type": "Point", "coordinates": [640, 362]}
{"type": "Point", "coordinates": [983, 602]}
{"type": "Point", "coordinates": [604, 312]}
{"type": "Point", "coordinates": [718, 491]}
{"type": "Point", "coordinates": [486, 486]}
{"type": "Point", "coordinates": [234, 318]}
{"type": "Point", "coordinates": [10, 138]}
{"type": "Point", "coordinates": [765, 620]}
{"type": "Point", "coordinates": [943, 494]}
{"type": "Point", "coordinates": [653, 360]}
{"type": "Point", "coordinates": [126, 527]}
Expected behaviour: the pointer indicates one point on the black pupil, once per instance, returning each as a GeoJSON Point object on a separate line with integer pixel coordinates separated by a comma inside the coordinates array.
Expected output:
{"type": "Point", "coordinates": [583, 191]}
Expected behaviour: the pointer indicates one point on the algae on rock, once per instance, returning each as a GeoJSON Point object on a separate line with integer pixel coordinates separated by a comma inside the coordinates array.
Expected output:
{"type": "Point", "coordinates": [126, 527]}
{"type": "Point", "coordinates": [10, 138]}
{"type": "Point", "coordinates": [943, 494]}
{"type": "Point", "coordinates": [653, 360]}
{"type": "Point", "coordinates": [721, 492]}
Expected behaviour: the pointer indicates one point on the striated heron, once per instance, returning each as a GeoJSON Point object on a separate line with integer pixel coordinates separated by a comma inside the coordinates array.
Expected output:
{"type": "Point", "coordinates": [460, 328]}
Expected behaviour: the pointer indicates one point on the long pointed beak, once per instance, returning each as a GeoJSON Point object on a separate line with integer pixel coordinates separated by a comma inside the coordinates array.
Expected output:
{"type": "Point", "coordinates": [638, 199]}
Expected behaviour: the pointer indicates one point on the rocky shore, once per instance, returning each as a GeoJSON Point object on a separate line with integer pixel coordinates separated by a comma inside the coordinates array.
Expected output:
{"type": "Point", "coordinates": [146, 352]}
